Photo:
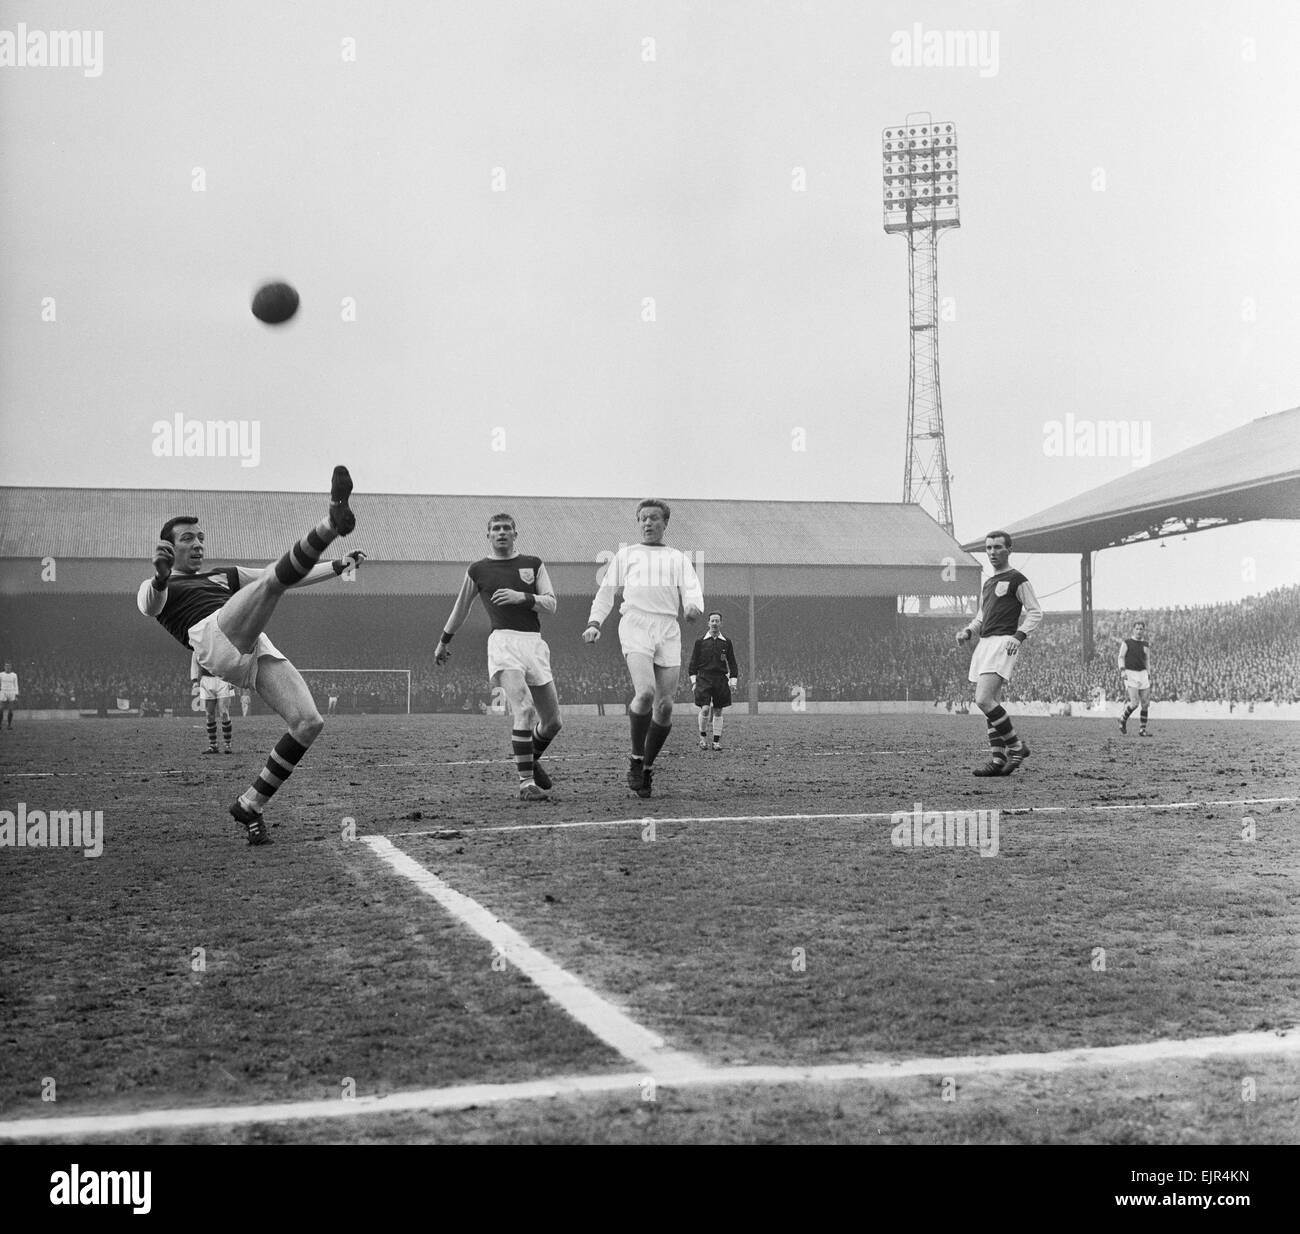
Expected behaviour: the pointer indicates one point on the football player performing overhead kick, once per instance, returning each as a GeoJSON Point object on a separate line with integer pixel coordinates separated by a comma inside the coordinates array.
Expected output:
{"type": "Point", "coordinates": [514, 588]}
{"type": "Point", "coordinates": [218, 616]}
{"type": "Point", "coordinates": [1009, 614]}
{"type": "Point", "coordinates": [655, 580]}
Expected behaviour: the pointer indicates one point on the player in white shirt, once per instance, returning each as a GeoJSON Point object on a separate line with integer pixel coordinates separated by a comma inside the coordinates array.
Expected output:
{"type": "Point", "coordinates": [656, 582]}
{"type": "Point", "coordinates": [8, 692]}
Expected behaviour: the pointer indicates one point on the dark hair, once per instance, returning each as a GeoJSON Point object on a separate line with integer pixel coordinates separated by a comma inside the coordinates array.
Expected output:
{"type": "Point", "coordinates": [657, 502]}
{"type": "Point", "coordinates": [181, 520]}
{"type": "Point", "coordinates": [501, 518]}
{"type": "Point", "coordinates": [994, 534]}
{"type": "Point", "coordinates": [715, 613]}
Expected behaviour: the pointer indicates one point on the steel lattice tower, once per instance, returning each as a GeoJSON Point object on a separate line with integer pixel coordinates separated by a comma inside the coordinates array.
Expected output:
{"type": "Point", "coordinates": [920, 169]}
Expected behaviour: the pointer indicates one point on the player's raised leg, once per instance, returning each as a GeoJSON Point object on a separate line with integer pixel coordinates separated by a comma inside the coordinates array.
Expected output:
{"type": "Point", "coordinates": [283, 689]}
{"type": "Point", "coordinates": [546, 703]}
{"type": "Point", "coordinates": [245, 615]}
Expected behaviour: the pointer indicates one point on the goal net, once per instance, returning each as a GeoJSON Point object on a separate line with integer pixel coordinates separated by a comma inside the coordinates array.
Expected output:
{"type": "Point", "coordinates": [359, 691]}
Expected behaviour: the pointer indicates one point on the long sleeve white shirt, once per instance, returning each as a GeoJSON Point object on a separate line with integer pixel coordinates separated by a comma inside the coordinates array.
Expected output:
{"type": "Point", "coordinates": [655, 579]}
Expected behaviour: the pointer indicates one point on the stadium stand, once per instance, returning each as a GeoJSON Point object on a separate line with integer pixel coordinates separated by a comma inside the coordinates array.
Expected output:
{"type": "Point", "coordinates": [86, 652]}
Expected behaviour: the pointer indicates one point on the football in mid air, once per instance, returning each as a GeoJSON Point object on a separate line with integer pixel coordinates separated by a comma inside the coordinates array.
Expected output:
{"type": "Point", "coordinates": [275, 303]}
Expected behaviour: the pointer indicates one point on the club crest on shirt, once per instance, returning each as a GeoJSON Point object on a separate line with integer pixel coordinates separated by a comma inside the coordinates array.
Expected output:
{"type": "Point", "coordinates": [526, 574]}
{"type": "Point", "coordinates": [1001, 589]}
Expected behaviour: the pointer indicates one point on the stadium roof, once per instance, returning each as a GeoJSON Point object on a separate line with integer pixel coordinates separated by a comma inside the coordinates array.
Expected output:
{"type": "Point", "coordinates": [123, 524]}
{"type": "Point", "coordinates": [1252, 472]}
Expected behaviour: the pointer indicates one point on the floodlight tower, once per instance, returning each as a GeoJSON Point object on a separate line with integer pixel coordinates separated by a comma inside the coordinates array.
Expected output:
{"type": "Point", "coordinates": [921, 201]}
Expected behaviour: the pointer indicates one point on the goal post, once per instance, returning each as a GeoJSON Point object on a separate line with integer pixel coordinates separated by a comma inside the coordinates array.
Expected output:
{"type": "Point", "coordinates": [356, 688]}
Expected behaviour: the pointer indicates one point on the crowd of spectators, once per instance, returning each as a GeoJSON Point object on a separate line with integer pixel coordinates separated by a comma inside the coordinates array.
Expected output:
{"type": "Point", "coordinates": [87, 653]}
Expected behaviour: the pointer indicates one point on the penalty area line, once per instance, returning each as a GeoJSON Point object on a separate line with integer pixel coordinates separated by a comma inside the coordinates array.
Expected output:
{"type": "Point", "coordinates": [596, 1014]}
{"type": "Point", "coordinates": [467, 1096]}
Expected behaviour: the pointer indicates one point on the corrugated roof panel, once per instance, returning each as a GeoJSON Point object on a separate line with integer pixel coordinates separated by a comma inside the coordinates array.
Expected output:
{"type": "Point", "coordinates": [124, 523]}
{"type": "Point", "coordinates": [1249, 472]}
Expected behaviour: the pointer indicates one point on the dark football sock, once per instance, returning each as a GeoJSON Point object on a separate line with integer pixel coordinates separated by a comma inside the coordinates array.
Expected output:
{"type": "Point", "coordinates": [640, 725]}
{"type": "Point", "coordinates": [655, 739]}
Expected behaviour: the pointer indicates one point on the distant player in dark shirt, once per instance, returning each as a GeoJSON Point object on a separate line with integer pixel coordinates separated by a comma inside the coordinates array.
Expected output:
{"type": "Point", "coordinates": [219, 615]}
{"type": "Point", "coordinates": [1009, 613]}
{"type": "Point", "coordinates": [514, 588]}
{"type": "Point", "coordinates": [713, 672]}
{"type": "Point", "coordinates": [1135, 665]}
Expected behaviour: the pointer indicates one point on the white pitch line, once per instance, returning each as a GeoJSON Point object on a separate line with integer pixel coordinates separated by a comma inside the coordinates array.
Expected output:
{"type": "Point", "coordinates": [611, 758]}
{"type": "Point", "coordinates": [597, 1015]}
{"type": "Point", "coordinates": [153, 771]}
{"type": "Point", "coordinates": [490, 762]}
{"type": "Point", "coordinates": [458, 1097]}
{"type": "Point", "coordinates": [467, 1096]}
{"type": "Point", "coordinates": [802, 818]}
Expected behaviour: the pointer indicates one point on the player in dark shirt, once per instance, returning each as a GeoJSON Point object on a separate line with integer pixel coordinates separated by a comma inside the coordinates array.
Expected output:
{"type": "Point", "coordinates": [1135, 665]}
{"type": "Point", "coordinates": [514, 588]}
{"type": "Point", "coordinates": [1009, 613]}
{"type": "Point", "coordinates": [219, 616]}
{"type": "Point", "coordinates": [713, 672]}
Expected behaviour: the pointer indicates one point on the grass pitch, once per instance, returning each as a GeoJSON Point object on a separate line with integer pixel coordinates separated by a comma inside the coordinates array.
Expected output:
{"type": "Point", "coordinates": [182, 968]}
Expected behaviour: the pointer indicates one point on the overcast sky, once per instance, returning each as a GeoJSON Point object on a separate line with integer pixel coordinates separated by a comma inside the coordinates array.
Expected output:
{"type": "Point", "coordinates": [478, 201]}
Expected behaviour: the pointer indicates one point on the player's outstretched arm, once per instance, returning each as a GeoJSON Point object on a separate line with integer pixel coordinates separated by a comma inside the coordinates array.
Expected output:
{"type": "Point", "coordinates": [459, 611]}
{"type": "Point", "coordinates": [602, 603]}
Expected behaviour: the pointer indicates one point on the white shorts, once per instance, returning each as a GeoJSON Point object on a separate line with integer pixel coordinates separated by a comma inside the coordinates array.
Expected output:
{"type": "Point", "coordinates": [7, 697]}
{"type": "Point", "coordinates": [990, 656]}
{"type": "Point", "coordinates": [213, 688]}
{"type": "Point", "coordinates": [1137, 679]}
{"type": "Point", "coordinates": [217, 656]}
{"type": "Point", "coordinates": [651, 634]}
{"type": "Point", "coordinates": [524, 650]}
